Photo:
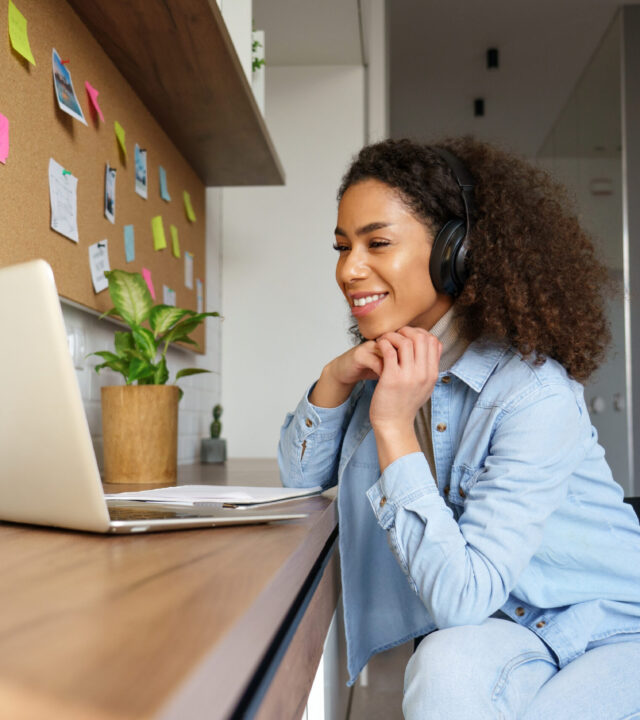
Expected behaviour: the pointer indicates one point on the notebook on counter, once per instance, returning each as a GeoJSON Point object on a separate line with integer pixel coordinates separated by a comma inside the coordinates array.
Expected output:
{"type": "Point", "coordinates": [49, 474]}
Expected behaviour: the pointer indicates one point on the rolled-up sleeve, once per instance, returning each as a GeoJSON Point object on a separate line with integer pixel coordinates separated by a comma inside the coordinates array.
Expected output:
{"type": "Point", "coordinates": [464, 570]}
{"type": "Point", "coordinates": [310, 442]}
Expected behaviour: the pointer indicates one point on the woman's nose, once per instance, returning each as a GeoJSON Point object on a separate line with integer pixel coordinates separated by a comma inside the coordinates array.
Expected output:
{"type": "Point", "coordinates": [353, 266]}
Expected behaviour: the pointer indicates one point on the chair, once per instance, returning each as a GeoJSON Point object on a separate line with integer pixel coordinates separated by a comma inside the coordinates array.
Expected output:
{"type": "Point", "coordinates": [635, 504]}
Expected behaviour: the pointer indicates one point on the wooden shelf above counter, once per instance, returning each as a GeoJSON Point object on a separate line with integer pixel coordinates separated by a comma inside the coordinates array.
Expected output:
{"type": "Point", "coordinates": [178, 57]}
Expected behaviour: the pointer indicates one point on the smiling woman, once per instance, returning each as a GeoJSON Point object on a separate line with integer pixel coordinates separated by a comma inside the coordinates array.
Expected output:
{"type": "Point", "coordinates": [477, 511]}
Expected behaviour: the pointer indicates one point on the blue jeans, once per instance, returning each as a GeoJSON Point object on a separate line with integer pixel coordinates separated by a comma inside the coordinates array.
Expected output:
{"type": "Point", "coordinates": [502, 671]}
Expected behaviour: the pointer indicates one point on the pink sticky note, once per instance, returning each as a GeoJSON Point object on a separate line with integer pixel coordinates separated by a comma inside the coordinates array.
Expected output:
{"type": "Point", "coordinates": [4, 138]}
{"type": "Point", "coordinates": [146, 274]}
{"type": "Point", "coordinates": [93, 96]}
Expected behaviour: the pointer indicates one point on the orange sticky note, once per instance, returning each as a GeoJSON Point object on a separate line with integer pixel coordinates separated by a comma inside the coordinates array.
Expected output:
{"type": "Point", "coordinates": [18, 33]}
{"type": "Point", "coordinates": [146, 274]}
{"type": "Point", "coordinates": [93, 96]}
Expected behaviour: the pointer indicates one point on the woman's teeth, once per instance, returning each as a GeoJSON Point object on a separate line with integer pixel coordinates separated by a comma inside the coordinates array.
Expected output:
{"type": "Point", "coordinates": [359, 302]}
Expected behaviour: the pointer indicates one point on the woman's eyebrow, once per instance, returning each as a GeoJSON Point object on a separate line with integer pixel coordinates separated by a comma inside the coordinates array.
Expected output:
{"type": "Point", "coordinates": [365, 229]}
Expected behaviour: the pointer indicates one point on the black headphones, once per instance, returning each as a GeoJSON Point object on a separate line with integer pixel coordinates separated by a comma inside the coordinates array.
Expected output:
{"type": "Point", "coordinates": [449, 262]}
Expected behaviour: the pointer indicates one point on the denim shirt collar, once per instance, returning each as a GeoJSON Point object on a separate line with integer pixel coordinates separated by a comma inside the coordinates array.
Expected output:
{"type": "Point", "coordinates": [478, 362]}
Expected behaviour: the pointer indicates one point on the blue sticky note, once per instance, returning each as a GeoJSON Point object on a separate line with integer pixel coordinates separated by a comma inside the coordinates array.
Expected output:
{"type": "Point", "coordinates": [164, 192]}
{"type": "Point", "coordinates": [129, 243]}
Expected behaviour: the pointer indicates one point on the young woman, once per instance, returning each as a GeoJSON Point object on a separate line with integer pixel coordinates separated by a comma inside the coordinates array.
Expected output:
{"type": "Point", "coordinates": [476, 506]}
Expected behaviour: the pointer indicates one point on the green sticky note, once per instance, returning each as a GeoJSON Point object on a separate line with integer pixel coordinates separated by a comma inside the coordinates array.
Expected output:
{"type": "Point", "coordinates": [120, 135]}
{"type": "Point", "coordinates": [159, 240]}
{"type": "Point", "coordinates": [18, 33]}
{"type": "Point", "coordinates": [175, 243]}
{"type": "Point", "coordinates": [187, 206]}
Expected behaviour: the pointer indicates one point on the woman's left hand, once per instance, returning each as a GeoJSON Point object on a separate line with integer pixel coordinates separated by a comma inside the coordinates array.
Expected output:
{"type": "Point", "coordinates": [410, 359]}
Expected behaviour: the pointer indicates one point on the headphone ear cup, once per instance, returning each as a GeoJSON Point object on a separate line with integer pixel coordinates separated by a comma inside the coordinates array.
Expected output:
{"type": "Point", "coordinates": [447, 264]}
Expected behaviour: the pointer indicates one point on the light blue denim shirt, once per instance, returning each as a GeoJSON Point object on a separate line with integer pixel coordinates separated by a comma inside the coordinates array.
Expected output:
{"type": "Point", "coordinates": [526, 517]}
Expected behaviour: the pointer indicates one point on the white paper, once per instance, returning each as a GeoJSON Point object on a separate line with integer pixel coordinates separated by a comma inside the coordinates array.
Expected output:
{"type": "Point", "coordinates": [193, 495]}
{"type": "Point", "coordinates": [188, 270]}
{"type": "Point", "coordinates": [199, 295]}
{"type": "Point", "coordinates": [63, 189]}
{"type": "Point", "coordinates": [168, 296]}
{"type": "Point", "coordinates": [99, 262]}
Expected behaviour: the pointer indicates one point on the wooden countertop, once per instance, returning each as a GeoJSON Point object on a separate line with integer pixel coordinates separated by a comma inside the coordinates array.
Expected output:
{"type": "Point", "coordinates": [145, 626]}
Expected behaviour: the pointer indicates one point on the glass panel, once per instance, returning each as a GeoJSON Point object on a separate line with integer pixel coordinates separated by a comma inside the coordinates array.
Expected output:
{"type": "Point", "coordinates": [583, 150]}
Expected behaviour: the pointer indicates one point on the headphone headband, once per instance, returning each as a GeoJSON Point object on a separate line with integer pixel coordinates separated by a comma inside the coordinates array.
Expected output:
{"type": "Point", "coordinates": [463, 178]}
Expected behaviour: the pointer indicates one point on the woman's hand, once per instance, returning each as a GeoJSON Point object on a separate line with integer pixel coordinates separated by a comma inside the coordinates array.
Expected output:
{"type": "Point", "coordinates": [410, 360]}
{"type": "Point", "coordinates": [338, 378]}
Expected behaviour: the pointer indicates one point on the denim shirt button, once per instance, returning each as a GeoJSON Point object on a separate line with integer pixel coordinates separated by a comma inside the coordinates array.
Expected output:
{"type": "Point", "coordinates": [383, 501]}
{"type": "Point", "coordinates": [446, 379]}
{"type": "Point", "coordinates": [462, 493]}
{"type": "Point", "coordinates": [441, 427]}
{"type": "Point", "coordinates": [308, 422]}
{"type": "Point", "coordinates": [446, 489]}
{"type": "Point", "coordinates": [540, 624]}
{"type": "Point", "coordinates": [519, 611]}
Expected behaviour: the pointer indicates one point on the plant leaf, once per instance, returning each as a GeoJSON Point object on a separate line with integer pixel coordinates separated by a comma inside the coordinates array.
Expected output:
{"type": "Point", "coordinates": [145, 342]}
{"type": "Point", "coordinates": [112, 361]}
{"type": "Point", "coordinates": [130, 296]}
{"type": "Point", "coordinates": [163, 317]}
{"type": "Point", "coordinates": [187, 326]}
{"type": "Point", "coordinates": [161, 374]}
{"type": "Point", "coordinates": [190, 371]}
{"type": "Point", "coordinates": [111, 311]}
{"type": "Point", "coordinates": [139, 368]}
{"type": "Point", "coordinates": [123, 341]}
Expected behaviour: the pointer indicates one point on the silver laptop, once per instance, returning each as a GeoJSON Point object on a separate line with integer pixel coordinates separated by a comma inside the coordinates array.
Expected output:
{"type": "Point", "coordinates": [48, 469]}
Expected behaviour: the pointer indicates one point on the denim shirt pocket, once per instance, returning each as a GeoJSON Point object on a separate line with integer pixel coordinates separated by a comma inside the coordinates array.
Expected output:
{"type": "Point", "coordinates": [462, 479]}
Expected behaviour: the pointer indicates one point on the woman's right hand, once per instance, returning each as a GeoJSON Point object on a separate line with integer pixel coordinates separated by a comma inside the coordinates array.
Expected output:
{"type": "Point", "coordinates": [363, 362]}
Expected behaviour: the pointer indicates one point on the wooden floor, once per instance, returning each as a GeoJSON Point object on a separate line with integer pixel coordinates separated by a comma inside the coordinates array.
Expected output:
{"type": "Point", "coordinates": [381, 698]}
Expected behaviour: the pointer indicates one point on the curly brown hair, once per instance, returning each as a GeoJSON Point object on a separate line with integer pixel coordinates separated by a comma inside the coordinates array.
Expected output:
{"type": "Point", "coordinates": [535, 279]}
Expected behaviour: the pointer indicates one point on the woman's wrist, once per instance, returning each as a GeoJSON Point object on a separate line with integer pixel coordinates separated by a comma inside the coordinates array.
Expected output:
{"type": "Point", "coordinates": [328, 391]}
{"type": "Point", "coordinates": [394, 442]}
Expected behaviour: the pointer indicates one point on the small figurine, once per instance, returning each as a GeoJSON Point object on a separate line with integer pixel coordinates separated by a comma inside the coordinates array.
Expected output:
{"type": "Point", "coordinates": [214, 449]}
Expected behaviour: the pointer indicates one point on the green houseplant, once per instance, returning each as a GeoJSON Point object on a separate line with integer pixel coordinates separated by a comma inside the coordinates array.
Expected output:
{"type": "Point", "coordinates": [140, 419]}
{"type": "Point", "coordinates": [214, 448]}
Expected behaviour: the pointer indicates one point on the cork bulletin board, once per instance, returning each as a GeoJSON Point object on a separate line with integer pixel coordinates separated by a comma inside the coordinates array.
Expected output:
{"type": "Point", "coordinates": [39, 130]}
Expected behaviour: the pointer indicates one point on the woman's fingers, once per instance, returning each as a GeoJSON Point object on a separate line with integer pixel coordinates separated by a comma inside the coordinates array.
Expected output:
{"type": "Point", "coordinates": [403, 345]}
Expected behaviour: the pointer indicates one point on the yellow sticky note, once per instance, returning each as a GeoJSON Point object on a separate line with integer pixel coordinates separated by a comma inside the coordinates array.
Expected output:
{"type": "Point", "coordinates": [18, 33]}
{"type": "Point", "coordinates": [175, 243]}
{"type": "Point", "coordinates": [159, 240]}
{"type": "Point", "coordinates": [187, 206]}
{"type": "Point", "coordinates": [120, 135]}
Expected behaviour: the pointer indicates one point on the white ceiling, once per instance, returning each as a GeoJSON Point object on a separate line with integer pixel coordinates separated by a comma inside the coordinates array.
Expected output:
{"type": "Point", "coordinates": [437, 58]}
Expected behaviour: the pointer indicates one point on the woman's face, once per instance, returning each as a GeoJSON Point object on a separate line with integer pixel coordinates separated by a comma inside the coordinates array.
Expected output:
{"type": "Point", "coordinates": [384, 252]}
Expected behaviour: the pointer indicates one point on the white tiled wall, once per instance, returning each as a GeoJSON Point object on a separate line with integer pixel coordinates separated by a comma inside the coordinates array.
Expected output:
{"type": "Point", "coordinates": [201, 392]}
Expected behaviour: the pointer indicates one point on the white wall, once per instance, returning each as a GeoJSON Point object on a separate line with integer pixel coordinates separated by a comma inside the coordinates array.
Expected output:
{"type": "Point", "coordinates": [284, 315]}
{"type": "Point", "coordinates": [201, 392]}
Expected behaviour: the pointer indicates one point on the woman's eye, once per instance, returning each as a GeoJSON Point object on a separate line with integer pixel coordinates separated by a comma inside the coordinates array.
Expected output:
{"type": "Point", "coordinates": [372, 245]}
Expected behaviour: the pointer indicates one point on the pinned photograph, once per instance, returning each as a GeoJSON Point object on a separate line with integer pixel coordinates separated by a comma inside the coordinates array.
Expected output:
{"type": "Point", "coordinates": [110, 193]}
{"type": "Point", "coordinates": [99, 262]}
{"type": "Point", "coordinates": [141, 171]}
{"type": "Point", "coordinates": [65, 93]}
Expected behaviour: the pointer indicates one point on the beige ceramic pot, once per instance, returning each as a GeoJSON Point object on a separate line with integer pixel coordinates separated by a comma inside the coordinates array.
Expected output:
{"type": "Point", "coordinates": [140, 433]}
